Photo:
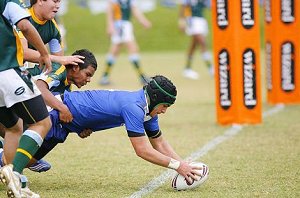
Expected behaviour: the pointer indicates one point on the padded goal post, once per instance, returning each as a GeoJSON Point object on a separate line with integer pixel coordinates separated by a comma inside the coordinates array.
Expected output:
{"type": "Point", "coordinates": [236, 43]}
{"type": "Point", "coordinates": [282, 25]}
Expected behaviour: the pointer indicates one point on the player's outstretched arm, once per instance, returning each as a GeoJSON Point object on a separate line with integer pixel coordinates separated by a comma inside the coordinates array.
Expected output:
{"type": "Point", "coordinates": [67, 60]}
{"type": "Point", "coordinates": [33, 55]}
{"type": "Point", "coordinates": [144, 150]}
{"type": "Point", "coordinates": [34, 38]}
{"type": "Point", "coordinates": [161, 145]}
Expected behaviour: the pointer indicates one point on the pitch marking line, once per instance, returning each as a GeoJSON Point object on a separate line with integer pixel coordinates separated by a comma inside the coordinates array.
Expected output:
{"type": "Point", "coordinates": [231, 132]}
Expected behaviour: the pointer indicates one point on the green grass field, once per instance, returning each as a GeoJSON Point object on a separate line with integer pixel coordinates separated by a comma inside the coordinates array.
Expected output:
{"type": "Point", "coordinates": [261, 161]}
{"type": "Point", "coordinates": [89, 31]}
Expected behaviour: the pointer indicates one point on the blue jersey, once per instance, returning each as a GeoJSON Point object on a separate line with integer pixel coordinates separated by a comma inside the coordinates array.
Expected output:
{"type": "Point", "coordinates": [98, 110]}
{"type": "Point", "coordinates": [102, 109]}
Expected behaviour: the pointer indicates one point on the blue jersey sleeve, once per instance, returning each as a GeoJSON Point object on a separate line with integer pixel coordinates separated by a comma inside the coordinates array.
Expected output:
{"type": "Point", "coordinates": [152, 124]}
{"type": "Point", "coordinates": [133, 116]}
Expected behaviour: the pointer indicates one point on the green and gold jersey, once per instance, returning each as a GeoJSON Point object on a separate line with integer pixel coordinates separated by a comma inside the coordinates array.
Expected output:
{"type": "Point", "coordinates": [56, 80]}
{"type": "Point", "coordinates": [122, 9]}
{"type": "Point", "coordinates": [193, 8]}
{"type": "Point", "coordinates": [11, 52]}
{"type": "Point", "coordinates": [48, 29]}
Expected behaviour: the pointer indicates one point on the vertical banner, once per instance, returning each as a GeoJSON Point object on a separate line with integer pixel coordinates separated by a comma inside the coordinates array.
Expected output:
{"type": "Point", "coordinates": [236, 43]}
{"type": "Point", "coordinates": [282, 35]}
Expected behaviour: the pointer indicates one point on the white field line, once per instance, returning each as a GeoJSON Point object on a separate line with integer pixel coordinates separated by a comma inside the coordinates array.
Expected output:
{"type": "Point", "coordinates": [231, 132]}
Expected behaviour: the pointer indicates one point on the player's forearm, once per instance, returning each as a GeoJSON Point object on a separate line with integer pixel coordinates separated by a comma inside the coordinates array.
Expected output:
{"type": "Point", "coordinates": [144, 150]}
{"type": "Point", "coordinates": [48, 97]}
{"type": "Point", "coordinates": [31, 55]}
{"type": "Point", "coordinates": [139, 16]}
{"type": "Point", "coordinates": [51, 101]}
{"type": "Point", "coordinates": [154, 157]}
{"type": "Point", "coordinates": [161, 145]}
{"type": "Point", "coordinates": [58, 58]}
{"type": "Point", "coordinates": [32, 36]}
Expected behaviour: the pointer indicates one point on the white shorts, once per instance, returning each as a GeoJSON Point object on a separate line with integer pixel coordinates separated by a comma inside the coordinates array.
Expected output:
{"type": "Point", "coordinates": [196, 25]}
{"type": "Point", "coordinates": [13, 88]}
{"type": "Point", "coordinates": [123, 32]}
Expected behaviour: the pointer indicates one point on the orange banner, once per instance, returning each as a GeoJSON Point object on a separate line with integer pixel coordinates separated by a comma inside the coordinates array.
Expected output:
{"type": "Point", "coordinates": [236, 46]}
{"type": "Point", "coordinates": [282, 35]}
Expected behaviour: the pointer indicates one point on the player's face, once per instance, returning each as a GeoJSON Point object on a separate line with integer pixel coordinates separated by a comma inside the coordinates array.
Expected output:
{"type": "Point", "coordinates": [49, 8]}
{"type": "Point", "coordinates": [162, 108]}
{"type": "Point", "coordinates": [82, 77]}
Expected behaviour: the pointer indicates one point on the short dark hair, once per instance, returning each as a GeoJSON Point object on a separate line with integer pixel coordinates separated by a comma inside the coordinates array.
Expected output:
{"type": "Point", "coordinates": [32, 2]}
{"type": "Point", "coordinates": [89, 59]}
{"type": "Point", "coordinates": [160, 90]}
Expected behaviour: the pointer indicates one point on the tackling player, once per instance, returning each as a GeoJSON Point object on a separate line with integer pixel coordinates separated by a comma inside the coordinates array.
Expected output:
{"type": "Point", "coordinates": [59, 80]}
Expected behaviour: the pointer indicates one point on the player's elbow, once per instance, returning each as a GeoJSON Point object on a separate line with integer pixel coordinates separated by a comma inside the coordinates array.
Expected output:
{"type": "Point", "coordinates": [142, 153]}
{"type": "Point", "coordinates": [139, 153]}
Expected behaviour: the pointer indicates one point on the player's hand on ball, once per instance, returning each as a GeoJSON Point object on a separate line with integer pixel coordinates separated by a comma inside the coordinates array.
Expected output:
{"type": "Point", "coordinates": [189, 171]}
{"type": "Point", "coordinates": [199, 170]}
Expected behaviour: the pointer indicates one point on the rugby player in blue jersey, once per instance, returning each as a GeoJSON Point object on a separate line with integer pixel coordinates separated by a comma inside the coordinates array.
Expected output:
{"type": "Point", "coordinates": [137, 110]}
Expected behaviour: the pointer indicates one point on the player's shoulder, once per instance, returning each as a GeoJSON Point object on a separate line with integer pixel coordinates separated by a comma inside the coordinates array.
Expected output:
{"type": "Point", "coordinates": [58, 72]}
{"type": "Point", "coordinates": [133, 102]}
{"type": "Point", "coordinates": [58, 68]}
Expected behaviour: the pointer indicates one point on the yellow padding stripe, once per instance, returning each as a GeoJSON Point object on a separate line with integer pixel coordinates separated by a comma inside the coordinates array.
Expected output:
{"type": "Point", "coordinates": [24, 152]}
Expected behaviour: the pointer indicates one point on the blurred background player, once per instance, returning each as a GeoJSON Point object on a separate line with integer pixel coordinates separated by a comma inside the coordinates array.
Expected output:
{"type": "Point", "coordinates": [120, 30]}
{"type": "Point", "coordinates": [191, 20]}
{"type": "Point", "coordinates": [20, 98]}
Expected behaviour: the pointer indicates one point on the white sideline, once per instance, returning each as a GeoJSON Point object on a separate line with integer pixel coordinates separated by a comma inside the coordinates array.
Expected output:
{"type": "Point", "coordinates": [231, 132]}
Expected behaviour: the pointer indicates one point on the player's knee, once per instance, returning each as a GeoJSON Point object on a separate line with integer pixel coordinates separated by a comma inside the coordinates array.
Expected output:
{"type": "Point", "coordinates": [47, 123]}
{"type": "Point", "coordinates": [42, 126]}
{"type": "Point", "coordinates": [17, 128]}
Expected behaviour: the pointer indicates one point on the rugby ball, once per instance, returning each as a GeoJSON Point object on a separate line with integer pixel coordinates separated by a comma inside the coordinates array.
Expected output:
{"type": "Point", "coordinates": [180, 183]}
